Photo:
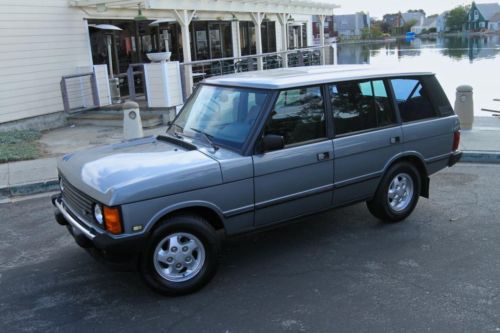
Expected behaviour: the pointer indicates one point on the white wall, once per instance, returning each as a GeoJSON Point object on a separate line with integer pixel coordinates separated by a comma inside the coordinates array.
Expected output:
{"type": "Point", "coordinates": [40, 41]}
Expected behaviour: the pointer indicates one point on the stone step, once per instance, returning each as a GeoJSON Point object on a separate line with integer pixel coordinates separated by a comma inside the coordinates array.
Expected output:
{"type": "Point", "coordinates": [113, 118]}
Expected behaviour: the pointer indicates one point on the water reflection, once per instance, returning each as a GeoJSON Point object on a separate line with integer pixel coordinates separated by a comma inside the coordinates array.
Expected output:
{"type": "Point", "coordinates": [457, 48]}
{"type": "Point", "coordinates": [456, 60]}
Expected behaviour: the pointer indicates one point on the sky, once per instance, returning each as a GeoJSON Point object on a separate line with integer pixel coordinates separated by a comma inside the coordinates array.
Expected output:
{"type": "Point", "coordinates": [377, 8]}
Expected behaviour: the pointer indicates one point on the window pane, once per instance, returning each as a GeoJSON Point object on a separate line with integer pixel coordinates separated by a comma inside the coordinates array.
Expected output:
{"type": "Point", "coordinates": [412, 100]}
{"type": "Point", "coordinates": [353, 107]}
{"type": "Point", "coordinates": [298, 116]}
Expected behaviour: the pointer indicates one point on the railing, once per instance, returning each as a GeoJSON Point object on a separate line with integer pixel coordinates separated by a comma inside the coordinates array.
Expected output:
{"type": "Point", "coordinates": [79, 92]}
{"type": "Point", "coordinates": [310, 56]}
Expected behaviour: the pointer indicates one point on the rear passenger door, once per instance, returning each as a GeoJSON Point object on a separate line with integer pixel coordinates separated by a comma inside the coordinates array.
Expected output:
{"type": "Point", "coordinates": [367, 136]}
{"type": "Point", "coordinates": [424, 108]}
{"type": "Point", "coordinates": [297, 179]}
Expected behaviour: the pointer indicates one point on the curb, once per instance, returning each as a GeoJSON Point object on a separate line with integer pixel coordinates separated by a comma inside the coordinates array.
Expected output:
{"type": "Point", "coordinates": [29, 189]}
{"type": "Point", "coordinates": [484, 157]}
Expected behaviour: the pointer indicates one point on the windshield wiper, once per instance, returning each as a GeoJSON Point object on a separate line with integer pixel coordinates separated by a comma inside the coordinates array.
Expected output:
{"type": "Point", "coordinates": [207, 137]}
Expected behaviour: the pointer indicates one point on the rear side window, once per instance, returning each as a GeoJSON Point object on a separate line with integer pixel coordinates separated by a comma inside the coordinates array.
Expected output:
{"type": "Point", "coordinates": [359, 106]}
{"type": "Point", "coordinates": [437, 96]}
{"type": "Point", "coordinates": [412, 99]}
{"type": "Point", "coordinates": [298, 116]}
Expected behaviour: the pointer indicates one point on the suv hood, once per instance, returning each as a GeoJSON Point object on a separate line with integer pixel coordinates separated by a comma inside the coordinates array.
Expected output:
{"type": "Point", "coordinates": [139, 169]}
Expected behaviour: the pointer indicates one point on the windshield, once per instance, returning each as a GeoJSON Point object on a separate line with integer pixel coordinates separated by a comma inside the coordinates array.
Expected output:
{"type": "Point", "coordinates": [223, 115]}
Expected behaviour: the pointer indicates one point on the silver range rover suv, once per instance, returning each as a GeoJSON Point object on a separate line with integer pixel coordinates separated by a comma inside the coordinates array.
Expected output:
{"type": "Point", "coordinates": [252, 150]}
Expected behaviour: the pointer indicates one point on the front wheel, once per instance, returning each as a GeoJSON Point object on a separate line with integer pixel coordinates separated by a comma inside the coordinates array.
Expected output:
{"type": "Point", "coordinates": [397, 194]}
{"type": "Point", "coordinates": [181, 256]}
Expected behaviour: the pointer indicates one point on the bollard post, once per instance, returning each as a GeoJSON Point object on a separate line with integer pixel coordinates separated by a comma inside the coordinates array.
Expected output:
{"type": "Point", "coordinates": [132, 125]}
{"type": "Point", "coordinates": [464, 106]}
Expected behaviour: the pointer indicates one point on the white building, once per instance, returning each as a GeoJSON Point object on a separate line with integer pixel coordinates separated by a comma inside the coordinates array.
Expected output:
{"type": "Point", "coordinates": [351, 25]}
{"type": "Point", "coordinates": [441, 22]}
{"type": "Point", "coordinates": [43, 40]}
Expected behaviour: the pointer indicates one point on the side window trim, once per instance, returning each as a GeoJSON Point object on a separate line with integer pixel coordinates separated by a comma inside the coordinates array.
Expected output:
{"type": "Point", "coordinates": [394, 102]}
{"type": "Point", "coordinates": [330, 131]}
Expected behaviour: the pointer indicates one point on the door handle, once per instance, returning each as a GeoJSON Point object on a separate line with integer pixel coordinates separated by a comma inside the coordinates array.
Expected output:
{"type": "Point", "coordinates": [323, 156]}
{"type": "Point", "coordinates": [395, 140]}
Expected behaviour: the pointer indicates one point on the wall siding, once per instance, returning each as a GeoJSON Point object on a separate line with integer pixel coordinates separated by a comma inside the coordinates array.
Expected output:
{"type": "Point", "coordinates": [40, 41]}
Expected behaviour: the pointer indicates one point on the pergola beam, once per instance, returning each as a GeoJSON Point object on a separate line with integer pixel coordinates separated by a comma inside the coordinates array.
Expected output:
{"type": "Point", "coordinates": [241, 6]}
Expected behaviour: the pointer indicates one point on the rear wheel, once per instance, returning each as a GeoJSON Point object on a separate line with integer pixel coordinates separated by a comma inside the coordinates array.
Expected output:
{"type": "Point", "coordinates": [397, 194]}
{"type": "Point", "coordinates": [181, 256]}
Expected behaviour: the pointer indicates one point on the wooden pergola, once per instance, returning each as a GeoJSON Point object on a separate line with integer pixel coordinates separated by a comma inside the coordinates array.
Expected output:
{"type": "Point", "coordinates": [184, 11]}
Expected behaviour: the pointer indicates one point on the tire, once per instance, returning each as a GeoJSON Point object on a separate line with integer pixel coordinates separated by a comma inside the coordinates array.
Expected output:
{"type": "Point", "coordinates": [181, 255]}
{"type": "Point", "coordinates": [397, 194]}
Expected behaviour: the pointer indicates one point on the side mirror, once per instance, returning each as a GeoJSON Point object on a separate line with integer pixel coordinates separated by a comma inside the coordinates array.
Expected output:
{"type": "Point", "coordinates": [272, 142]}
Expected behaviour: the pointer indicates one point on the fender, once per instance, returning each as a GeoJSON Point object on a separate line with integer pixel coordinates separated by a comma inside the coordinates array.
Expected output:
{"type": "Point", "coordinates": [183, 205]}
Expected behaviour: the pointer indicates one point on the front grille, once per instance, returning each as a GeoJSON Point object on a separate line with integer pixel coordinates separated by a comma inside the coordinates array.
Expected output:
{"type": "Point", "coordinates": [78, 203]}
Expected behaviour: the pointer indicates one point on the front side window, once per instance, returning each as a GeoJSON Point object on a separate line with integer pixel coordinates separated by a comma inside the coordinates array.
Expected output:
{"type": "Point", "coordinates": [298, 116]}
{"type": "Point", "coordinates": [413, 102]}
{"type": "Point", "coordinates": [360, 106]}
{"type": "Point", "coordinates": [226, 115]}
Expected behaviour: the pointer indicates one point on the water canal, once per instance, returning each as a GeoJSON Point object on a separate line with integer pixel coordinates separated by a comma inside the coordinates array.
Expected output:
{"type": "Point", "coordinates": [455, 60]}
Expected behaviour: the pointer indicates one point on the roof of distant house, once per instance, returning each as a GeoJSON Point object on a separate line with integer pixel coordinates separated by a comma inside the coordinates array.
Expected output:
{"type": "Point", "coordinates": [417, 16]}
{"type": "Point", "coordinates": [495, 18]}
{"type": "Point", "coordinates": [488, 10]}
{"type": "Point", "coordinates": [430, 21]}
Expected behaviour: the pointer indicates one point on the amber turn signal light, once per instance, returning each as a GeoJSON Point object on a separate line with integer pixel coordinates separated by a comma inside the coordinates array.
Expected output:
{"type": "Point", "coordinates": [112, 220]}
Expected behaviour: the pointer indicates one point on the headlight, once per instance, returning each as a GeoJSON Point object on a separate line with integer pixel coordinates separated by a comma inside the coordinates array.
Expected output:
{"type": "Point", "coordinates": [98, 214]}
{"type": "Point", "coordinates": [61, 185]}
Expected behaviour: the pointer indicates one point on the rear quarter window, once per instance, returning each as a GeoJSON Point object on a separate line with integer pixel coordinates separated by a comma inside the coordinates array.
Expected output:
{"type": "Point", "coordinates": [437, 96]}
{"type": "Point", "coordinates": [412, 98]}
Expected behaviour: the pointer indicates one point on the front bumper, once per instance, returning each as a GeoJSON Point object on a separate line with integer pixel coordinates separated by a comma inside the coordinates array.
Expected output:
{"type": "Point", "coordinates": [454, 158]}
{"type": "Point", "coordinates": [90, 237]}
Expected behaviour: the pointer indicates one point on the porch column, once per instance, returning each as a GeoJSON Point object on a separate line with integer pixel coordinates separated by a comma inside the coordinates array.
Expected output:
{"type": "Point", "coordinates": [322, 36]}
{"type": "Point", "coordinates": [184, 18]}
{"type": "Point", "coordinates": [235, 28]}
{"type": "Point", "coordinates": [257, 21]}
{"type": "Point", "coordinates": [283, 19]}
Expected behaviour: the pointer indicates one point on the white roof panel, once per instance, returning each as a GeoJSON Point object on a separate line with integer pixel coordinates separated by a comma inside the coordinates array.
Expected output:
{"type": "Point", "coordinates": [302, 76]}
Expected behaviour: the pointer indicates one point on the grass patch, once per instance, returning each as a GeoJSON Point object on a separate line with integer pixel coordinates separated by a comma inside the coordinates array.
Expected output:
{"type": "Point", "coordinates": [19, 145]}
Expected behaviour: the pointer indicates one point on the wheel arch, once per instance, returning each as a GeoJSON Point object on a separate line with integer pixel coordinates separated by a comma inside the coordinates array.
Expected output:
{"type": "Point", "coordinates": [416, 160]}
{"type": "Point", "coordinates": [207, 210]}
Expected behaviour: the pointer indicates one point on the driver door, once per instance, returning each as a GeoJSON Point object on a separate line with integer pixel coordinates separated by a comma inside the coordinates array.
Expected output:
{"type": "Point", "coordinates": [297, 179]}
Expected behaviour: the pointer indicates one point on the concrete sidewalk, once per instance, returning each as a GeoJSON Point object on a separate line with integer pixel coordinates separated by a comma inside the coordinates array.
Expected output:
{"type": "Point", "coordinates": [480, 145]}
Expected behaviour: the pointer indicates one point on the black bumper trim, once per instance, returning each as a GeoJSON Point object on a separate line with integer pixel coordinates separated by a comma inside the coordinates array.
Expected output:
{"type": "Point", "coordinates": [101, 241]}
{"type": "Point", "coordinates": [454, 158]}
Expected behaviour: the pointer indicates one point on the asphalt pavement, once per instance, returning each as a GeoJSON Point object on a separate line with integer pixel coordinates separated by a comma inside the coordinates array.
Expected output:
{"type": "Point", "coordinates": [340, 271]}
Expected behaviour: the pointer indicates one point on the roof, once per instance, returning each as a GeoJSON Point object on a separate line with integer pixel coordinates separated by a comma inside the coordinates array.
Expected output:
{"type": "Point", "coordinates": [306, 7]}
{"type": "Point", "coordinates": [302, 76]}
{"type": "Point", "coordinates": [430, 22]}
{"type": "Point", "coordinates": [417, 16]}
{"type": "Point", "coordinates": [495, 18]}
{"type": "Point", "coordinates": [488, 10]}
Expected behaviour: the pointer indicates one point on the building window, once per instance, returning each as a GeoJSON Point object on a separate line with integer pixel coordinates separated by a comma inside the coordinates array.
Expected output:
{"type": "Point", "coordinates": [211, 40]}
{"type": "Point", "coordinates": [268, 30]}
{"type": "Point", "coordinates": [248, 39]}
